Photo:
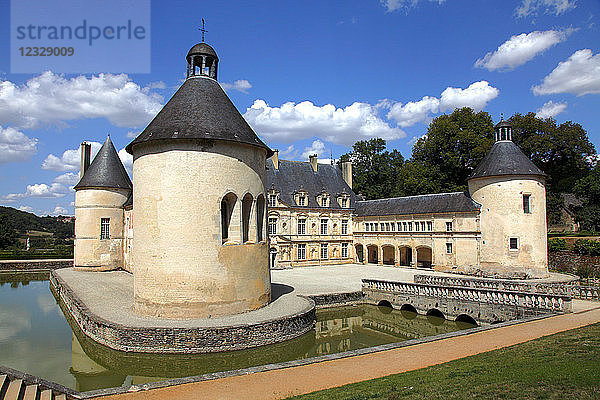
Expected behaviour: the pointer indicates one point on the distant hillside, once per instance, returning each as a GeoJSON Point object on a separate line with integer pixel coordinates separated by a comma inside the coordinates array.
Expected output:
{"type": "Point", "coordinates": [22, 221]}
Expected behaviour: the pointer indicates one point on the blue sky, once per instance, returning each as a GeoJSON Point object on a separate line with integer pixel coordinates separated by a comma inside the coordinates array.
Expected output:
{"type": "Point", "coordinates": [310, 76]}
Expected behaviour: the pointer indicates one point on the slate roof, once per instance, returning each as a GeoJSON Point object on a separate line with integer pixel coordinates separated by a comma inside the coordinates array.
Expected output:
{"type": "Point", "coordinates": [293, 176]}
{"type": "Point", "coordinates": [202, 48]}
{"type": "Point", "coordinates": [105, 171]}
{"type": "Point", "coordinates": [505, 158]}
{"type": "Point", "coordinates": [423, 204]}
{"type": "Point", "coordinates": [200, 109]}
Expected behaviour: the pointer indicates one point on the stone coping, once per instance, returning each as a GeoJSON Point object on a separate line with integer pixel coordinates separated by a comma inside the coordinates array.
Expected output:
{"type": "Point", "coordinates": [287, 317]}
{"type": "Point", "coordinates": [294, 363]}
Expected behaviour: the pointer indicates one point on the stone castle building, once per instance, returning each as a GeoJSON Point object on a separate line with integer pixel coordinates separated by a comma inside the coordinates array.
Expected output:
{"type": "Point", "coordinates": [211, 207]}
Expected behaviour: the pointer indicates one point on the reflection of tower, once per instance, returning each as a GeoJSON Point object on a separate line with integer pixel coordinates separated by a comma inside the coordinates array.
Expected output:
{"type": "Point", "coordinates": [511, 191]}
{"type": "Point", "coordinates": [88, 374]}
{"type": "Point", "coordinates": [200, 248]}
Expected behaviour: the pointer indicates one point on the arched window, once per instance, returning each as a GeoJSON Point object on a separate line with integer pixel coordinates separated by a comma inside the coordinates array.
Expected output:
{"type": "Point", "coordinates": [246, 210]}
{"type": "Point", "coordinates": [260, 217]}
{"type": "Point", "coordinates": [227, 205]}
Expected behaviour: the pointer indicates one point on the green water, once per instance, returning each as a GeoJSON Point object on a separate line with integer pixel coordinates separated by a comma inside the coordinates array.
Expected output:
{"type": "Point", "coordinates": [36, 338]}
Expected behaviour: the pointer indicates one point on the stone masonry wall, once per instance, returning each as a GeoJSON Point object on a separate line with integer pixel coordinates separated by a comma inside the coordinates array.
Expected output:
{"type": "Point", "coordinates": [27, 265]}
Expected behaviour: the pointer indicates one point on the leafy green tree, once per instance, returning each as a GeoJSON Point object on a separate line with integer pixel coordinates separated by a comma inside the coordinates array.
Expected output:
{"type": "Point", "coordinates": [561, 151]}
{"type": "Point", "coordinates": [375, 170]}
{"type": "Point", "coordinates": [453, 147]}
{"type": "Point", "coordinates": [8, 236]}
{"type": "Point", "coordinates": [588, 188]}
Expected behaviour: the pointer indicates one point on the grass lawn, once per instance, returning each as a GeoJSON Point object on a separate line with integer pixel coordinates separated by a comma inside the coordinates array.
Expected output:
{"type": "Point", "coordinates": [561, 366]}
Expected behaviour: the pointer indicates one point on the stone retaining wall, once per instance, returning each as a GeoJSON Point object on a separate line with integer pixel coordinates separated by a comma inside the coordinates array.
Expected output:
{"type": "Point", "coordinates": [179, 340]}
{"type": "Point", "coordinates": [569, 261]}
{"type": "Point", "coordinates": [27, 265]}
{"type": "Point", "coordinates": [336, 299]}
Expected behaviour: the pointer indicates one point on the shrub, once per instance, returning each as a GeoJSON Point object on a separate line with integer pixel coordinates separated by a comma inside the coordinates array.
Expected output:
{"type": "Point", "coordinates": [587, 247]}
{"type": "Point", "coordinates": [557, 244]}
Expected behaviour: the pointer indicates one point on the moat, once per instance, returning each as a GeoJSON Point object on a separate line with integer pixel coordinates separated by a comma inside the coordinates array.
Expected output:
{"type": "Point", "coordinates": [35, 337]}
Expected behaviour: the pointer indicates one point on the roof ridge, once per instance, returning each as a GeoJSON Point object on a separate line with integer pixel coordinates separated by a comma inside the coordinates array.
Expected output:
{"type": "Point", "coordinates": [415, 195]}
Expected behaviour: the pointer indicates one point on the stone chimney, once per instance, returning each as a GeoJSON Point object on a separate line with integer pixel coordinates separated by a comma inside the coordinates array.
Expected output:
{"type": "Point", "coordinates": [86, 153]}
{"type": "Point", "coordinates": [275, 159]}
{"type": "Point", "coordinates": [347, 172]}
{"type": "Point", "coordinates": [313, 162]}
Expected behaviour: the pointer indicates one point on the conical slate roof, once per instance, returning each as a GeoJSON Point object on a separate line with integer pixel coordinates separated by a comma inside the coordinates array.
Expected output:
{"type": "Point", "coordinates": [106, 171]}
{"type": "Point", "coordinates": [200, 109]}
{"type": "Point", "coordinates": [505, 158]}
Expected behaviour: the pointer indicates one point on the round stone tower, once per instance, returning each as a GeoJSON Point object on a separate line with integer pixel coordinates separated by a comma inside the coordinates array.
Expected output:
{"type": "Point", "coordinates": [511, 191]}
{"type": "Point", "coordinates": [99, 198]}
{"type": "Point", "coordinates": [199, 205]}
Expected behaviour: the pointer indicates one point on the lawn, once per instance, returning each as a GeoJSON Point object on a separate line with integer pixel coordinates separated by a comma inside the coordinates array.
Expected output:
{"type": "Point", "coordinates": [561, 366]}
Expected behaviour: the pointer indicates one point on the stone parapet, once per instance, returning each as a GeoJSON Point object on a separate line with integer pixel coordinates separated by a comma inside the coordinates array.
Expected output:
{"type": "Point", "coordinates": [28, 265]}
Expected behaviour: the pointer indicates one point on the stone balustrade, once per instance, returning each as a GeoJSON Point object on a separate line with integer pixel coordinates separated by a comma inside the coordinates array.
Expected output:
{"type": "Point", "coordinates": [569, 289]}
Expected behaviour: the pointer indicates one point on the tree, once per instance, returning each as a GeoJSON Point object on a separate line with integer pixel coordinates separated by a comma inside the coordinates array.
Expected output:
{"type": "Point", "coordinates": [561, 151]}
{"type": "Point", "coordinates": [453, 147]}
{"type": "Point", "coordinates": [8, 236]}
{"type": "Point", "coordinates": [375, 170]}
{"type": "Point", "coordinates": [588, 188]}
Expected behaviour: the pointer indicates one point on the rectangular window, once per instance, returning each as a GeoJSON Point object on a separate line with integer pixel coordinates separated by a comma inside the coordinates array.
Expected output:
{"type": "Point", "coordinates": [272, 200]}
{"type": "Point", "coordinates": [410, 226]}
{"type": "Point", "coordinates": [344, 227]}
{"type": "Point", "coordinates": [404, 226]}
{"type": "Point", "coordinates": [302, 226]}
{"type": "Point", "coordinates": [423, 225]}
{"type": "Point", "coordinates": [324, 251]}
{"type": "Point", "coordinates": [366, 227]}
{"type": "Point", "coordinates": [104, 228]}
{"type": "Point", "coordinates": [301, 200]}
{"type": "Point", "coordinates": [448, 248]}
{"type": "Point", "coordinates": [324, 226]}
{"type": "Point", "coordinates": [526, 205]}
{"type": "Point", "coordinates": [417, 226]}
{"type": "Point", "coordinates": [514, 243]}
{"type": "Point", "coordinates": [344, 203]}
{"type": "Point", "coordinates": [302, 252]}
{"type": "Point", "coordinates": [375, 226]}
{"type": "Point", "coordinates": [272, 226]}
{"type": "Point", "coordinates": [448, 226]}
{"type": "Point", "coordinates": [429, 226]}
{"type": "Point", "coordinates": [344, 250]}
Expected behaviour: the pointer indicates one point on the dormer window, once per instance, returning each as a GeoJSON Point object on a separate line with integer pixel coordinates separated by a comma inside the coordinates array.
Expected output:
{"type": "Point", "coordinates": [302, 199]}
{"type": "Point", "coordinates": [272, 200]}
{"type": "Point", "coordinates": [323, 200]}
{"type": "Point", "coordinates": [344, 203]}
{"type": "Point", "coordinates": [343, 200]}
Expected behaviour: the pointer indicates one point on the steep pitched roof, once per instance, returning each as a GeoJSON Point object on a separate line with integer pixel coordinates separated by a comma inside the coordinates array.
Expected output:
{"type": "Point", "coordinates": [423, 204]}
{"type": "Point", "coordinates": [293, 176]}
{"type": "Point", "coordinates": [505, 158]}
{"type": "Point", "coordinates": [106, 171]}
{"type": "Point", "coordinates": [200, 109]}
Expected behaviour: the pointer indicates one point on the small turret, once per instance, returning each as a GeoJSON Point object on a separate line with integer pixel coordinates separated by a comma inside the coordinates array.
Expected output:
{"type": "Point", "coordinates": [99, 198]}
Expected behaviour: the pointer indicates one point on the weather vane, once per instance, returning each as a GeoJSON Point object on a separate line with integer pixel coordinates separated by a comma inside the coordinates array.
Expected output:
{"type": "Point", "coordinates": [202, 30]}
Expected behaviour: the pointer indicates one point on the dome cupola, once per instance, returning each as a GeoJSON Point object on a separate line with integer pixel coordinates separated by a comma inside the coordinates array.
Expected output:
{"type": "Point", "coordinates": [202, 60]}
{"type": "Point", "coordinates": [503, 130]}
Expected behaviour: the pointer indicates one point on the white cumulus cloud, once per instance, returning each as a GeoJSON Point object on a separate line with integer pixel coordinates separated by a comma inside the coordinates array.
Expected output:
{"type": "Point", "coordinates": [317, 147]}
{"type": "Point", "coordinates": [521, 48]}
{"type": "Point", "coordinates": [393, 5]}
{"type": "Point", "coordinates": [476, 96]}
{"type": "Point", "coordinates": [241, 85]}
{"type": "Point", "coordinates": [579, 75]}
{"type": "Point", "coordinates": [26, 209]}
{"type": "Point", "coordinates": [114, 97]}
{"type": "Point", "coordinates": [292, 122]}
{"type": "Point", "coordinates": [15, 146]}
{"type": "Point", "coordinates": [54, 190]}
{"type": "Point", "coordinates": [59, 210]}
{"type": "Point", "coordinates": [550, 109]}
{"type": "Point", "coordinates": [556, 7]}
{"type": "Point", "coordinates": [67, 179]}
{"type": "Point", "coordinates": [70, 159]}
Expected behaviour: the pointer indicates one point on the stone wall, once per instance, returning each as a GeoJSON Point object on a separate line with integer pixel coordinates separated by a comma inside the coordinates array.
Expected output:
{"type": "Point", "coordinates": [178, 339]}
{"type": "Point", "coordinates": [568, 261]}
{"type": "Point", "coordinates": [28, 265]}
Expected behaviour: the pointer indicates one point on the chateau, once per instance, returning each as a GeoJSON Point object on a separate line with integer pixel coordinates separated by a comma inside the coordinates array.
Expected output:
{"type": "Point", "coordinates": [211, 207]}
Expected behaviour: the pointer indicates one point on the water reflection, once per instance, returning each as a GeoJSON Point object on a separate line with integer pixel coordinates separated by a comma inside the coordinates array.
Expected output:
{"type": "Point", "coordinates": [86, 365]}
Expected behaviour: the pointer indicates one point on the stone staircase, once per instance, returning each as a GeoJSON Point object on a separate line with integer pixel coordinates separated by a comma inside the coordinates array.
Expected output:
{"type": "Point", "coordinates": [15, 385]}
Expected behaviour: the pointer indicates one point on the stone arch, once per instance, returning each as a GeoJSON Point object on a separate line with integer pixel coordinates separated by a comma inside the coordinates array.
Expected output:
{"type": "Point", "coordinates": [273, 257]}
{"type": "Point", "coordinates": [408, 311]}
{"type": "Point", "coordinates": [388, 253]}
{"type": "Point", "coordinates": [405, 256]}
{"type": "Point", "coordinates": [435, 316]}
{"type": "Point", "coordinates": [372, 254]}
{"type": "Point", "coordinates": [227, 206]}
{"type": "Point", "coordinates": [466, 319]}
{"type": "Point", "coordinates": [384, 303]}
{"type": "Point", "coordinates": [360, 253]}
{"type": "Point", "coordinates": [408, 307]}
{"type": "Point", "coordinates": [247, 201]}
{"type": "Point", "coordinates": [260, 218]}
{"type": "Point", "coordinates": [424, 256]}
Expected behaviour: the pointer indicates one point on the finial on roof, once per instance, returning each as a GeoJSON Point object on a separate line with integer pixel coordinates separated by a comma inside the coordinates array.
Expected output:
{"type": "Point", "coordinates": [501, 116]}
{"type": "Point", "coordinates": [202, 30]}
